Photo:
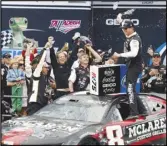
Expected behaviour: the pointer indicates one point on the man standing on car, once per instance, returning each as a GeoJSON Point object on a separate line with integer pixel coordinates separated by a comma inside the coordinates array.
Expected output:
{"type": "Point", "coordinates": [133, 59]}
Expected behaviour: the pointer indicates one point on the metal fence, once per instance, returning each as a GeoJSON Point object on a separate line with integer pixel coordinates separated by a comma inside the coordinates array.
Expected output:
{"type": "Point", "coordinates": [10, 114]}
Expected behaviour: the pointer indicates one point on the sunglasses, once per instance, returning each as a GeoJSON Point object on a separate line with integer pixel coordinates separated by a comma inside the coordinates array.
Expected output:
{"type": "Point", "coordinates": [20, 64]}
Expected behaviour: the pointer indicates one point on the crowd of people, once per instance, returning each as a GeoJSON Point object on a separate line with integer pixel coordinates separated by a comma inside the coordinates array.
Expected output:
{"type": "Point", "coordinates": [31, 81]}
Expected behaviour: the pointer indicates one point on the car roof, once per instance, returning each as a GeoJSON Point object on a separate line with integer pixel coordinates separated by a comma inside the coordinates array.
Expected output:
{"type": "Point", "coordinates": [85, 96]}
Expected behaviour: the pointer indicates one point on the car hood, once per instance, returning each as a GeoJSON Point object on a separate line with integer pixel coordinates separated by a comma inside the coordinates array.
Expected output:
{"type": "Point", "coordinates": [38, 130]}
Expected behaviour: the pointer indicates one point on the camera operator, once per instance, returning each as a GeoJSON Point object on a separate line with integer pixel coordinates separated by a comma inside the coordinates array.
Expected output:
{"type": "Point", "coordinates": [154, 78]}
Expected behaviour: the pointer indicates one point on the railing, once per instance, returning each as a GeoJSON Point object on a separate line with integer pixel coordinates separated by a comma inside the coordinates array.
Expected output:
{"type": "Point", "coordinates": [10, 115]}
{"type": "Point", "coordinates": [10, 96]}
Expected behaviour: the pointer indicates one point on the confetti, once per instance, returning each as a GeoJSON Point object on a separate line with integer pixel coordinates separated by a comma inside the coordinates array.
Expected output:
{"type": "Point", "coordinates": [115, 5]}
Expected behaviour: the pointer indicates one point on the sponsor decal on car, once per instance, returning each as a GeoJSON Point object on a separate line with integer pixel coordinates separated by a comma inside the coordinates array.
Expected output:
{"type": "Point", "coordinates": [145, 130]}
{"type": "Point", "coordinates": [65, 26]}
{"type": "Point", "coordinates": [16, 136]}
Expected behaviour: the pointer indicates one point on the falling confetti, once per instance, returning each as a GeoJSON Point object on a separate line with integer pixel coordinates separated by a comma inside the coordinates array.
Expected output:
{"type": "Point", "coordinates": [115, 5]}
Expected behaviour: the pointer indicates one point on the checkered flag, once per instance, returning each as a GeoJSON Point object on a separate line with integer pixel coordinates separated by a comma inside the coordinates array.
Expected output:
{"type": "Point", "coordinates": [6, 38]}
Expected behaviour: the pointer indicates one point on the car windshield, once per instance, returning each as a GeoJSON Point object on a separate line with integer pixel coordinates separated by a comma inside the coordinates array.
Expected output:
{"type": "Point", "coordinates": [81, 108]}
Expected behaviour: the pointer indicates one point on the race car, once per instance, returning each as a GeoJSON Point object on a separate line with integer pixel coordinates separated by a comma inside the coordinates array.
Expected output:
{"type": "Point", "coordinates": [84, 119]}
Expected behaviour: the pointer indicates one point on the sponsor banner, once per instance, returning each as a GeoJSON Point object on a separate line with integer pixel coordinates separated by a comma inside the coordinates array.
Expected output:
{"type": "Point", "coordinates": [65, 26]}
{"type": "Point", "coordinates": [106, 79]}
{"type": "Point", "coordinates": [60, 23]}
{"type": "Point", "coordinates": [108, 34]}
{"type": "Point", "coordinates": [144, 130]}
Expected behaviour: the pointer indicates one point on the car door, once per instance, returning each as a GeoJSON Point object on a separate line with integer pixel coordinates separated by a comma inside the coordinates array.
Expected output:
{"type": "Point", "coordinates": [143, 130]}
{"type": "Point", "coordinates": [150, 129]}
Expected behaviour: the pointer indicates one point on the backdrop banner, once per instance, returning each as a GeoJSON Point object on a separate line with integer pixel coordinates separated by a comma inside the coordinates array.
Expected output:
{"type": "Point", "coordinates": [98, 22]}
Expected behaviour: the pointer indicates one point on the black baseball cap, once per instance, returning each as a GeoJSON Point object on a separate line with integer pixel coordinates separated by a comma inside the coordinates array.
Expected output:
{"type": "Point", "coordinates": [6, 55]}
{"type": "Point", "coordinates": [127, 24]}
{"type": "Point", "coordinates": [156, 54]}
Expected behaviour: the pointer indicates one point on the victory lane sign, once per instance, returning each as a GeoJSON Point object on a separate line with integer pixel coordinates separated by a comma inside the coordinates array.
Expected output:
{"type": "Point", "coordinates": [106, 79]}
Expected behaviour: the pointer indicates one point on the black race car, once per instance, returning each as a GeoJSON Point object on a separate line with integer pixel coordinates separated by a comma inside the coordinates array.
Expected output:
{"type": "Point", "coordinates": [84, 119]}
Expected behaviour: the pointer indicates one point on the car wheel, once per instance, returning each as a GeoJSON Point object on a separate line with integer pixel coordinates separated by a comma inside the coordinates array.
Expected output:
{"type": "Point", "coordinates": [89, 141]}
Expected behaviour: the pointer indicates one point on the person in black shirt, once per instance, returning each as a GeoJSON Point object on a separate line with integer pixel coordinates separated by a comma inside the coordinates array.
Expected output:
{"type": "Point", "coordinates": [154, 77]}
{"type": "Point", "coordinates": [5, 90]}
{"type": "Point", "coordinates": [133, 59]}
{"type": "Point", "coordinates": [79, 79]}
{"type": "Point", "coordinates": [39, 96]}
{"type": "Point", "coordinates": [61, 65]}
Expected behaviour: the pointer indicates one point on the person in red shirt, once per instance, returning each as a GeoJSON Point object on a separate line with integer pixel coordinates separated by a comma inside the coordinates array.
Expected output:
{"type": "Point", "coordinates": [31, 44]}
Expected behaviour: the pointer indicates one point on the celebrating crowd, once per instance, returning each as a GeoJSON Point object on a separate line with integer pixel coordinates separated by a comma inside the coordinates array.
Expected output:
{"type": "Point", "coordinates": [31, 81]}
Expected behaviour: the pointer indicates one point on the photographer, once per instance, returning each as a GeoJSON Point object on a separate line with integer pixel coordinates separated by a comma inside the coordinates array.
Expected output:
{"type": "Point", "coordinates": [154, 78]}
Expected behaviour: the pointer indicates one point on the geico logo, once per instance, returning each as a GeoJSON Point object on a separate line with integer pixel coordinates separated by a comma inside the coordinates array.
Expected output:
{"type": "Point", "coordinates": [109, 85]}
{"type": "Point", "coordinates": [114, 21]}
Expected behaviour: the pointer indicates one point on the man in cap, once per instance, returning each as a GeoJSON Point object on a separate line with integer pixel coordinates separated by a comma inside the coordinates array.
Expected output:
{"type": "Point", "coordinates": [154, 78]}
{"type": "Point", "coordinates": [133, 59]}
{"type": "Point", "coordinates": [40, 82]}
{"type": "Point", "coordinates": [5, 90]}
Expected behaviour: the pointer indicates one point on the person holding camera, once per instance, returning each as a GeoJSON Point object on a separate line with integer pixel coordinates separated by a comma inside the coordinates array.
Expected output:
{"type": "Point", "coordinates": [154, 78]}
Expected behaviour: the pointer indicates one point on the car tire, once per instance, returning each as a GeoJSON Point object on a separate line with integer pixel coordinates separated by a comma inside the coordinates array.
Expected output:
{"type": "Point", "coordinates": [89, 141]}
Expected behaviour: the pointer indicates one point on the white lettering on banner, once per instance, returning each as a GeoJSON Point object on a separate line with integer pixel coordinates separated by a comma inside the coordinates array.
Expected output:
{"type": "Point", "coordinates": [108, 80]}
{"type": "Point", "coordinates": [114, 139]}
{"type": "Point", "coordinates": [109, 85]}
{"type": "Point", "coordinates": [109, 72]}
{"type": "Point", "coordinates": [114, 21]}
{"type": "Point", "coordinates": [145, 128]}
{"type": "Point", "coordinates": [144, 136]}
{"type": "Point", "coordinates": [109, 90]}
{"type": "Point", "coordinates": [158, 132]}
